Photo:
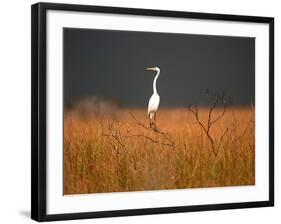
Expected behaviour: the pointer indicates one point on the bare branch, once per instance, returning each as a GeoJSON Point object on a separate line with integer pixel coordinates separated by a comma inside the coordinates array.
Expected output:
{"type": "Point", "coordinates": [195, 113]}
{"type": "Point", "coordinates": [139, 123]}
{"type": "Point", "coordinates": [165, 135]}
{"type": "Point", "coordinates": [152, 140]}
{"type": "Point", "coordinates": [213, 106]}
{"type": "Point", "coordinates": [116, 135]}
{"type": "Point", "coordinates": [222, 138]}
{"type": "Point", "coordinates": [221, 115]}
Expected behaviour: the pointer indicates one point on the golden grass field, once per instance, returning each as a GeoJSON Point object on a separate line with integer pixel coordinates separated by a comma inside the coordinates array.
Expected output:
{"type": "Point", "coordinates": [116, 153]}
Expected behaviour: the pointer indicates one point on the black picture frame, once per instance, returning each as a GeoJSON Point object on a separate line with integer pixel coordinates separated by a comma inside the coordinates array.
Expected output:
{"type": "Point", "coordinates": [38, 108]}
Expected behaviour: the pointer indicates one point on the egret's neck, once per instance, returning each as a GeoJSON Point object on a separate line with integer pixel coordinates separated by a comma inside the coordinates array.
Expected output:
{"type": "Point", "coordinates": [154, 82]}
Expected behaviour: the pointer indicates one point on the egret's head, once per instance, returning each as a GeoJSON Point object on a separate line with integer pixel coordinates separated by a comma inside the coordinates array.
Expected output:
{"type": "Point", "coordinates": [156, 69]}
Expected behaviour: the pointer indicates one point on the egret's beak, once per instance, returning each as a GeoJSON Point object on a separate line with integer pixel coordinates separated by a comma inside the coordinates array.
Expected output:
{"type": "Point", "coordinates": [150, 69]}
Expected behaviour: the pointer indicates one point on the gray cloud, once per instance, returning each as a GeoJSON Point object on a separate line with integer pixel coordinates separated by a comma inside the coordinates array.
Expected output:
{"type": "Point", "coordinates": [112, 64]}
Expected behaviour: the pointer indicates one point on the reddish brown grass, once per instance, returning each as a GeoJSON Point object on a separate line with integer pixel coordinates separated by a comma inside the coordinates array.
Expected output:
{"type": "Point", "coordinates": [114, 153]}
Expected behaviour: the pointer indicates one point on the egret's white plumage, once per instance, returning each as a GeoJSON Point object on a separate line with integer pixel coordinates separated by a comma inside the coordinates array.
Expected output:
{"type": "Point", "coordinates": [153, 104]}
{"type": "Point", "coordinates": [154, 100]}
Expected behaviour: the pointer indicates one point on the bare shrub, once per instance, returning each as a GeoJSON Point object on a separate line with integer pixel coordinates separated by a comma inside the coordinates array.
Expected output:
{"type": "Point", "coordinates": [215, 101]}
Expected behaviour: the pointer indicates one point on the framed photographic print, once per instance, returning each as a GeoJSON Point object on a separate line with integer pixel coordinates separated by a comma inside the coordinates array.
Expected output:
{"type": "Point", "coordinates": [138, 111]}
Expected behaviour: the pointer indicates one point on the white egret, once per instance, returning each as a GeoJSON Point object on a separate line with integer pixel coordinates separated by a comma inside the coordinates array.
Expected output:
{"type": "Point", "coordinates": [154, 100]}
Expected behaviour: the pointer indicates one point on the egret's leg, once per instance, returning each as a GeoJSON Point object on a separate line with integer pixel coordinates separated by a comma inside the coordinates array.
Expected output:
{"type": "Point", "coordinates": [149, 120]}
{"type": "Point", "coordinates": [155, 120]}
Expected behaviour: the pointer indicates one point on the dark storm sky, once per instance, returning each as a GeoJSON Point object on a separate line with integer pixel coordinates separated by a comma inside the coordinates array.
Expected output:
{"type": "Point", "coordinates": [111, 64]}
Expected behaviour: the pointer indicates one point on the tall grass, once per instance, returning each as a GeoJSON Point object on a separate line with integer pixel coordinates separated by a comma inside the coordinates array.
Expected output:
{"type": "Point", "coordinates": [113, 153]}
